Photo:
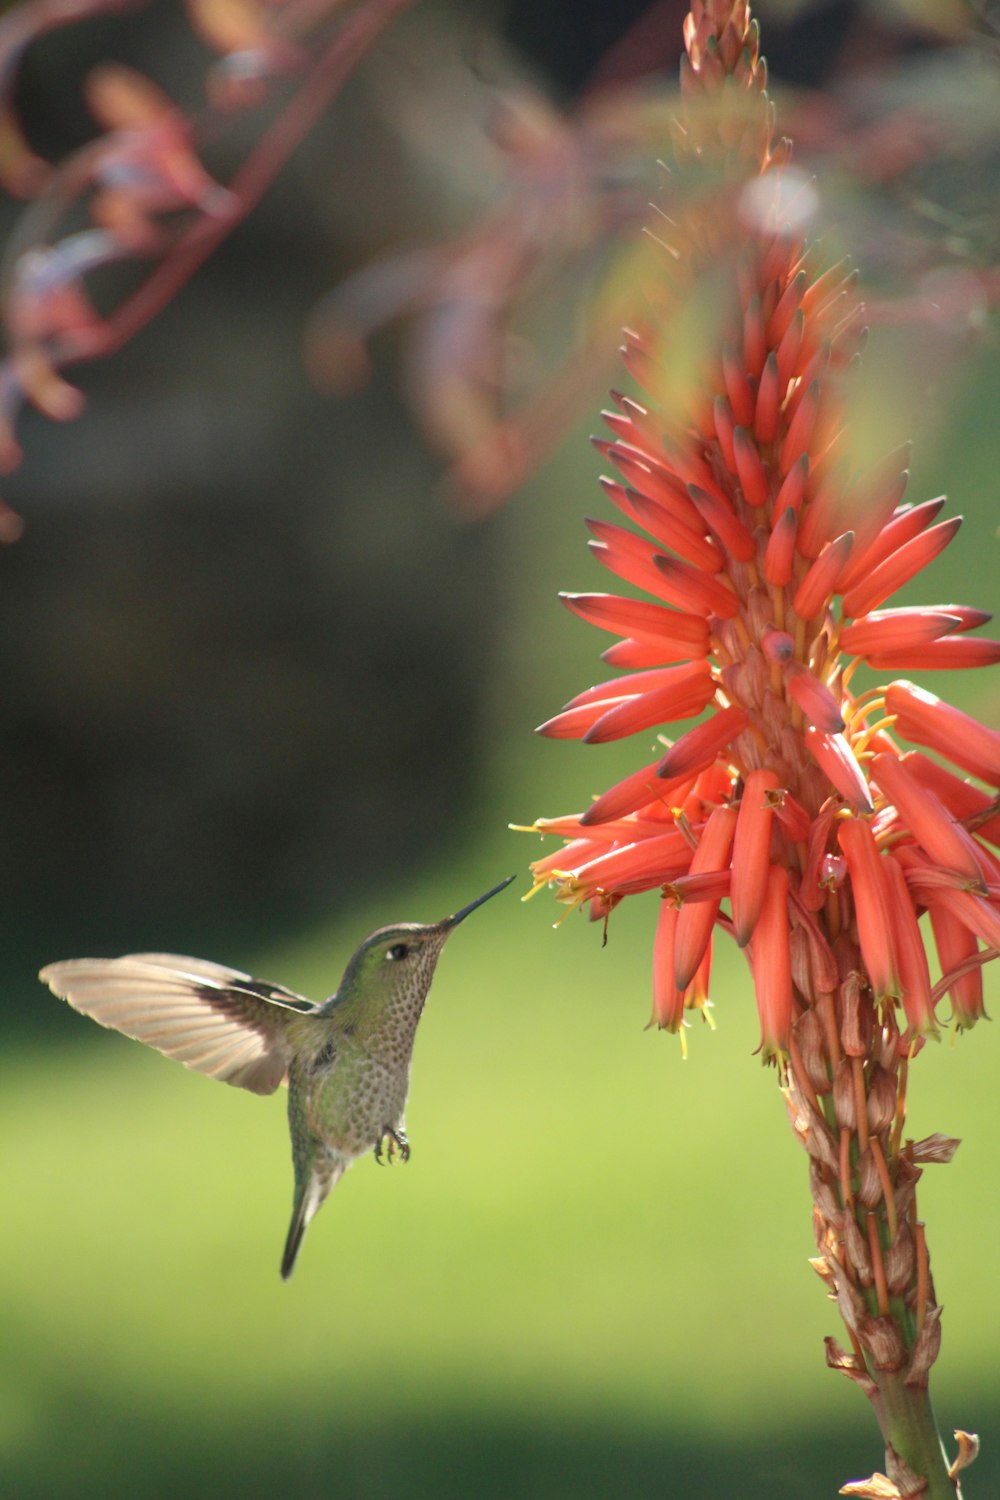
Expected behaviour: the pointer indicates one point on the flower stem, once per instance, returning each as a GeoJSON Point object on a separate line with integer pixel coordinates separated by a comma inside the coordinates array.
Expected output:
{"type": "Point", "coordinates": [907, 1421]}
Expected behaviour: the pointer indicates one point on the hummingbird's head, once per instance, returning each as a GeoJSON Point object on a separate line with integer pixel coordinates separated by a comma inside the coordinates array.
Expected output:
{"type": "Point", "coordinates": [399, 961]}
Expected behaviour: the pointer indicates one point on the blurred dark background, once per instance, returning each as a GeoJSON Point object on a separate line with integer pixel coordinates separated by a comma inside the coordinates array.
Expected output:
{"type": "Point", "coordinates": [211, 673]}
{"type": "Point", "coordinates": [265, 685]}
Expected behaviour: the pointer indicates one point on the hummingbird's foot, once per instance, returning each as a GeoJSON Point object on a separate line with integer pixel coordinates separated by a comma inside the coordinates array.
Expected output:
{"type": "Point", "coordinates": [392, 1139]}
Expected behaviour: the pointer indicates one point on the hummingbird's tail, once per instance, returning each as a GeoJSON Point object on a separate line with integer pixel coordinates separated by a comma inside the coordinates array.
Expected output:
{"type": "Point", "coordinates": [310, 1193]}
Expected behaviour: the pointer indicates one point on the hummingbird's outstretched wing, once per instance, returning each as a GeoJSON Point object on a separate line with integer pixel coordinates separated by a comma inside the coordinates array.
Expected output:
{"type": "Point", "coordinates": [211, 1018]}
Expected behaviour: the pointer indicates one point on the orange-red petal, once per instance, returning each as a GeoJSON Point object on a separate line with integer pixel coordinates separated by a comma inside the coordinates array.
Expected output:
{"type": "Point", "coordinates": [956, 946]}
{"type": "Point", "coordinates": [689, 588]}
{"type": "Point", "coordinates": [632, 792]}
{"type": "Point", "coordinates": [679, 635]}
{"type": "Point", "coordinates": [801, 428]}
{"type": "Point", "coordinates": [700, 746]}
{"type": "Point", "coordinates": [815, 593]}
{"type": "Point", "coordinates": [771, 960]}
{"type": "Point", "coordinates": [769, 395]}
{"type": "Point", "coordinates": [752, 852]}
{"type": "Point", "coordinates": [683, 700]}
{"type": "Point", "coordinates": [668, 1000]}
{"type": "Point", "coordinates": [927, 720]}
{"type": "Point", "coordinates": [814, 698]}
{"type": "Point", "coordinates": [949, 653]}
{"type": "Point", "coordinates": [908, 522]}
{"type": "Point", "coordinates": [753, 479]}
{"type": "Point", "coordinates": [641, 866]}
{"type": "Point", "coordinates": [694, 929]}
{"type": "Point", "coordinates": [896, 630]}
{"type": "Point", "coordinates": [920, 812]}
{"type": "Point", "coordinates": [914, 973]}
{"type": "Point", "coordinates": [629, 653]}
{"type": "Point", "coordinates": [779, 555]}
{"type": "Point", "coordinates": [720, 518]}
{"type": "Point", "coordinates": [834, 756]}
{"type": "Point", "coordinates": [902, 565]}
{"type": "Point", "coordinates": [871, 907]}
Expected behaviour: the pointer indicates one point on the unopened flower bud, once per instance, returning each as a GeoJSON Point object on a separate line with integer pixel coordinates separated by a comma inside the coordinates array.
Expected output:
{"type": "Point", "coordinates": [870, 1191]}
{"type": "Point", "coordinates": [926, 1348]}
{"type": "Point", "coordinates": [899, 1262]}
{"type": "Point", "coordinates": [798, 945]}
{"type": "Point", "coordinates": [823, 1194]}
{"type": "Point", "coordinates": [844, 1101]}
{"type": "Point", "coordinates": [809, 1036]}
{"type": "Point", "coordinates": [881, 1100]}
{"type": "Point", "coordinates": [883, 1342]}
{"type": "Point", "coordinates": [858, 1017]}
{"type": "Point", "coordinates": [856, 1246]}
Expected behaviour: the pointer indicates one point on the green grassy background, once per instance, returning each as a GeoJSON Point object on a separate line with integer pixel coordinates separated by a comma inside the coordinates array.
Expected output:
{"type": "Point", "coordinates": [591, 1278]}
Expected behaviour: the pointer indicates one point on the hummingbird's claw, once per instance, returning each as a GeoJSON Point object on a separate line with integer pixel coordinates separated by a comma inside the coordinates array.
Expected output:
{"type": "Point", "coordinates": [392, 1139]}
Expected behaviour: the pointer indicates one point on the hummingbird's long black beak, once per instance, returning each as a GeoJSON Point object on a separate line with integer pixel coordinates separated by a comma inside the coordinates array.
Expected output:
{"type": "Point", "coordinates": [460, 916]}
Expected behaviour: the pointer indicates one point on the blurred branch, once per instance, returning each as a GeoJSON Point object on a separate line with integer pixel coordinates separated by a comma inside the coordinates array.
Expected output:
{"type": "Point", "coordinates": [147, 195]}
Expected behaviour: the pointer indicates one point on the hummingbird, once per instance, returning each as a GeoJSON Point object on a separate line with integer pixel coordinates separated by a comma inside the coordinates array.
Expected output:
{"type": "Point", "coordinates": [346, 1061]}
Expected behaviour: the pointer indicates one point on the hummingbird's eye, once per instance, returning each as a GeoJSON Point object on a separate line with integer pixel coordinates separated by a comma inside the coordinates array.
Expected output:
{"type": "Point", "coordinates": [397, 951]}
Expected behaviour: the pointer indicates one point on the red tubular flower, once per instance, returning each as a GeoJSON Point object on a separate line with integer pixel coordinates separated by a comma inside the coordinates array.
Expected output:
{"type": "Point", "coordinates": [896, 630]}
{"type": "Point", "coordinates": [687, 588]}
{"type": "Point", "coordinates": [668, 1000]}
{"type": "Point", "coordinates": [772, 966]}
{"type": "Point", "coordinates": [948, 653]}
{"type": "Point", "coordinates": [835, 757]}
{"type": "Point", "coordinates": [622, 707]}
{"type": "Point", "coordinates": [963, 800]}
{"type": "Point", "coordinates": [676, 636]}
{"type": "Point", "coordinates": [907, 522]}
{"type": "Point", "coordinates": [871, 907]}
{"type": "Point", "coordinates": [814, 698]}
{"type": "Point", "coordinates": [694, 930]}
{"type": "Point", "coordinates": [779, 555]}
{"type": "Point", "coordinates": [812, 597]}
{"type": "Point", "coordinates": [900, 566]}
{"type": "Point", "coordinates": [678, 701]}
{"type": "Point", "coordinates": [914, 973]}
{"type": "Point", "coordinates": [752, 852]}
{"type": "Point", "coordinates": [700, 747]}
{"type": "Point", "coordinates": [932, 826]}
{"type": "Point", "coordinates": [957, 949]}
{"type": "Point", "coordinates": [957, 736]}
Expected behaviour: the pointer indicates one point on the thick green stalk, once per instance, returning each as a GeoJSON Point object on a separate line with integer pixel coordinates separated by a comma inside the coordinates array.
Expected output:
{"type": "Point", "coordinates": [906, 1418]}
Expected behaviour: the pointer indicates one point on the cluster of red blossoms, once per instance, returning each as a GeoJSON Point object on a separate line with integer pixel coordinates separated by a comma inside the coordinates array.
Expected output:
{"type": "Point", "coordinates": [769, 566]}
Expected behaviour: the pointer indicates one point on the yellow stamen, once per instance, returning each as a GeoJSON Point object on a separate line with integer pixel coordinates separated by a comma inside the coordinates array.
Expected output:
{"type": "Point", "coordinates": [861, 744]}
{"type": "Point", "coordinates": [573, 902]}
{"type": "Point", "coordinates": [849, 671]}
